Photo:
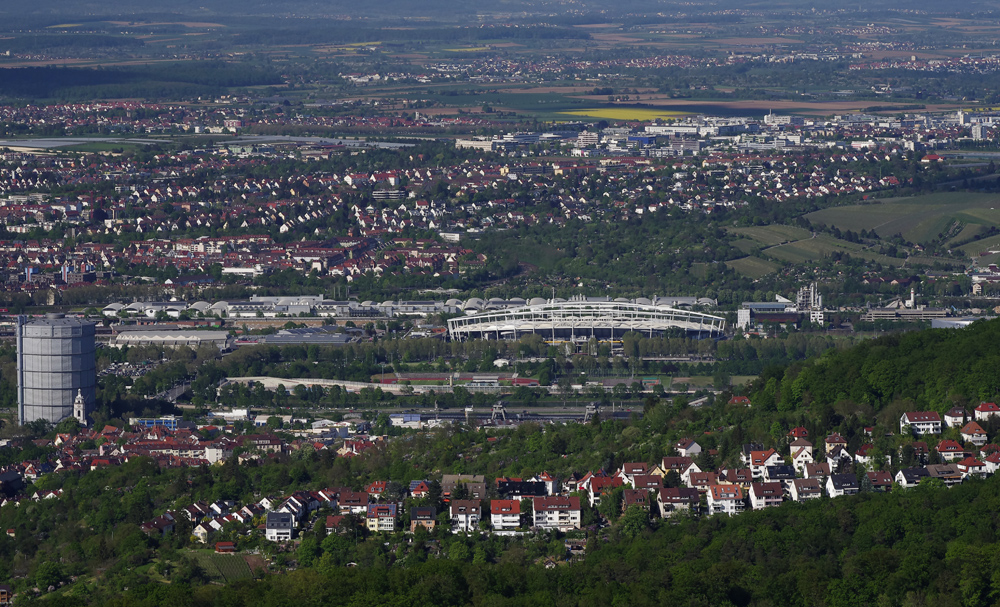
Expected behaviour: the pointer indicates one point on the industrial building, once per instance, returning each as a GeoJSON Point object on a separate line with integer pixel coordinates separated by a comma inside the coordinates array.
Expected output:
{"type": "Point", "coordinates": [56, 368]}
{"type": "Point", "coordinates": [782, 311]}
{"type": "Point", "coordinates": [582, 319]}
{"type": "Point", "coordinates": [171, 338]}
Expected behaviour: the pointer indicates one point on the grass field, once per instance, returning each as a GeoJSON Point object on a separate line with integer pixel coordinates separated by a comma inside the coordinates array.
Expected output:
{"type": "Point", "coordinates": [972, 230]}
{"type": "Point", "coordinates": [812, 249]}
{"type": "Point", "coordinates": [769, 236]}
{"type": "Point", "coordinates": [614, 113]}
{"type": "Point", "coordinates": [224, 567]}
{"type": "Point", "coordinates": [919, 219]}
{"type": "Point", "coordinates": [745, 245]}
{"type": "Point", "coordinates": [754, 267]}
{"type": "Point", "coordinates": [977, 247]}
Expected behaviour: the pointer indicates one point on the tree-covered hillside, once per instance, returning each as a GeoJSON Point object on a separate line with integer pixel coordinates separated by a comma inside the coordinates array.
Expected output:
{"type": "Point", "coordinates": [930, 370]}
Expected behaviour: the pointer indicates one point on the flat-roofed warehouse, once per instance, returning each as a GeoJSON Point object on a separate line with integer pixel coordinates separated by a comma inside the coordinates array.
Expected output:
{"type": "Point", "coordinates": [172, 338]}
{"type": "Point", "coordinates": [559, 320]}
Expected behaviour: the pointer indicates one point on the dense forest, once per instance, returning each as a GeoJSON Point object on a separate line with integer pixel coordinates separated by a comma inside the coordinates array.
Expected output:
{"type": "Point", "coordinates": [927, 546]}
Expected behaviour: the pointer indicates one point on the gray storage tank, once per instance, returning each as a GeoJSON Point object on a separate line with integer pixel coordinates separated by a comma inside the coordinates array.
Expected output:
{"type": "Point", "coordinates": [55, 362]}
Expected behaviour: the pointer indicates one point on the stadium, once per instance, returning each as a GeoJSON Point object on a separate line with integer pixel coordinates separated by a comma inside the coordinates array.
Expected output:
{"type": "Point", "coordinates": [575, 321]}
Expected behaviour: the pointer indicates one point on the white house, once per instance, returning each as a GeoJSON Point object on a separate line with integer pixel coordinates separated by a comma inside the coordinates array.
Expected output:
{"type": "Point", "coordinates": [688, 448]}
{"type": "Point", "coordinates": [805, 489]}
{"type": "Point", "coordinates": [921, 422]}
{"type": "Point", "coordinates": [465, 515]}
{"type": "Point", "coordinates": [557, 512]}
{"type": "Point", "coordinates": [725, 499]}
{"type": "Point", "coordinates": [505, 514]}
{"type": "Point", "coordinates": [279, 527]}
{"type": "Point", "coordinates": [986, 410]}
{"type": "Point", "coordinates": [842, 484]}
{"type": "Point", "coordinates": [973, 433]}
{"type": "Point", "coordinates": [766, 495]}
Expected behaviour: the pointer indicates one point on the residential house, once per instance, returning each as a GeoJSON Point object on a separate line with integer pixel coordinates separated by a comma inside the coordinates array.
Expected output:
{"type": "Point", "coordinates": [672, 500]}
{"type": "Point", "coordinates": [334, 522]}
{"type": "Point", "coordinates": [911, 477]}
{"type": "Point", "coordinates": [647, 482]}
{"type": "Point", "coordinates": [725, 499]}
{"type": "Point", "coordinates": [474, 485]}
{"type": "Point", "coordinates": [747, 450]}
{"type": "Point", "coordinates": [951, 450]}
{"type": "Point", "coordinates": [160, 525]}
{"type": "Point", "coordinates": [687, 448]}
{"type": "Point", "coordinates": [835, 440]}
{"type": "Point", "coordinates": [703, 480]}
{"type": "Point", "coordinates": [842, 484]}
{"type": "Point", "coordinates": [680, 465]}
{"type": "Point", "coordinates": [800, 458]}
{"type": "Point", "coordinates": [465, 515]}
{"type": "Point", "coordinates": [420, 489]}
{"type": "Point", "coordinates": [798, 432]}
{"type": "Point", "coordinates": [956, 417]}
{"type": "Point", "coordinates": [279, 526]}
{"type": "Point", "coordinates": [381, 517]}
{"type": "Point", "coordinates": [423, 516]}
{"type": "Point", "coordinates": [375, 489]}
{"type": "Point", "coordinates": [635, 497]}
{"type": "Point", "coordinates": [838, 458]}
{"type": "Point", "coordinates": [738, 476]}
{"type": "Point", "coordinates": [879, 480]}
{"type": "Point", "coordinates": [992, 462]}
{"type": "Point", "coordinates": [920, 422]}
{"type": "Point", "coordinates": [505, 515]}
{"type": "Point", "coordinates": [766, 495]}
{"type": "Point", "coordinates": [600, 485]}
{"type": "Point", "coordinates": [550, 482]}
{"type": "Point", "coordinates": [630, 470]}
{"type": "Point", "coordinates": [780, 474]}
{"type": "Point", "coordinates": [863, 456]}
{"type": "Point", "coordinates": [986, 410]}
{"type": "Point", "coordinates": [761, 459]}
{"type": "Point", "coordinates": [353, 502]}
{"type": "Point", "coordinates": [557, 512]}
{"type": "Point", "coordinates": [948, 473]}
{"type": "Point", "coordinates": [973, 433]}
{"type": "Point", "coordinates": [805, 489]}
{"type": "Point", "coordinates": [971, 466]}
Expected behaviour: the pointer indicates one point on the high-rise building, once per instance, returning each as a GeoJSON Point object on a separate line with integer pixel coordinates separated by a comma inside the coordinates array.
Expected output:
{"type": "Point", "coordinates": [55, 366]}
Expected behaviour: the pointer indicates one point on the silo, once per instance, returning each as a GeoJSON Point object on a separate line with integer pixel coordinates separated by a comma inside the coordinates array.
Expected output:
{"type": "Point", "coordinates": [55, 361]}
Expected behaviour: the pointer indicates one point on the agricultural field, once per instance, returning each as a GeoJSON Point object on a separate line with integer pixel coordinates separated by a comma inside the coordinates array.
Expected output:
{"type": "Point", "coordinates": [769, 236]}
{"type": "Point", "coordinates": [753, 267]}
{"type": "Point", "coordinates": [223, 567]}
{"type": "Point", "coordinates": [981, 246]}
{"type": "Point", "coordinates": [622, 113]}
{"type": "Point", "coordinates": [919, 219]}
{"type": "Point", "coordinates": [812, 249]}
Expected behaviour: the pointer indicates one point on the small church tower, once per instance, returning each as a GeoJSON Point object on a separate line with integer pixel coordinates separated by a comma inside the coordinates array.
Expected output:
{"type": "Point", "coordinates": [80, 408]}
